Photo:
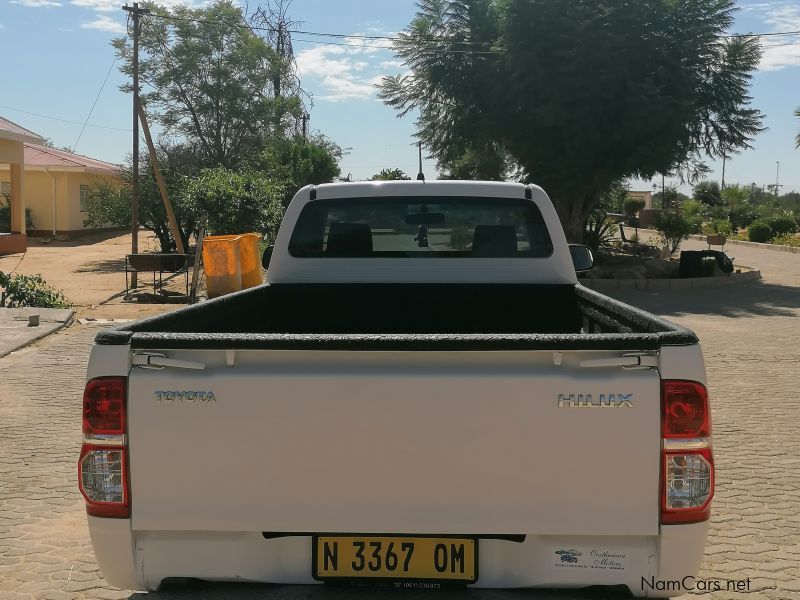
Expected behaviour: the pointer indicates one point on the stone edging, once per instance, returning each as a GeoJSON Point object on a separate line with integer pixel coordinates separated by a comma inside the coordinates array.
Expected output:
{"type": "Point", "coordinates": [670, 284]}
{"type": "Point", "coordinates": [778, 247]}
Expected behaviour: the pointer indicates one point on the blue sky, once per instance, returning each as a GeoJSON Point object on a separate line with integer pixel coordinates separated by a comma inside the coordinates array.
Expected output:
{"type": "Point", "coordinates": [58, 53]}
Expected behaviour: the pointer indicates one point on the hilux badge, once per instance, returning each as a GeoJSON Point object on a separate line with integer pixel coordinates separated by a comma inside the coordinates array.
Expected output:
{"type": "Point", "coordinates": [587, 401]}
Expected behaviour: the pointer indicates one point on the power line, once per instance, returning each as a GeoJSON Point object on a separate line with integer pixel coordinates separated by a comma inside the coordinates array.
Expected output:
{"type": "Point", "coordinates": [91, 110]}
{"type": "Point", "coordinates": [767, 34]}
{"type": "Point", "coordinates": [27, 112]}
{"type": "Point", "coordinates": [398, 38]}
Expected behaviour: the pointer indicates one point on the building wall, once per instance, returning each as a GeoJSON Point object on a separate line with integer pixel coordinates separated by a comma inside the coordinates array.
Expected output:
{"type": "Point", "coordinates": [38, 194]}
{"type": "Point", "coordinates": [11, 152]}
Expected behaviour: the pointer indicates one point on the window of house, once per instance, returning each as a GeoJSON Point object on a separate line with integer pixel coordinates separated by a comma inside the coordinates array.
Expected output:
{"type": "Point", "coordinates": [5, 189]}
{"type": "Point", "coordinates": [84, 197]}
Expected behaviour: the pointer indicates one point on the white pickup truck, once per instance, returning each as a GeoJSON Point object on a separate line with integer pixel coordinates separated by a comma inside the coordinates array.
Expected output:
{"type": "Point", "coordinates": [421, 395]}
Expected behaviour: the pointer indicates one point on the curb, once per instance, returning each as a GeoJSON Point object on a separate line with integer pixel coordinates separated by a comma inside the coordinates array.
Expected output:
{"type": "Point", "coordinates": [670, 284]}
{"type": "Point", "coordinates": [41, 334]}
{"type": "Point", "coordinates": [775, 247]}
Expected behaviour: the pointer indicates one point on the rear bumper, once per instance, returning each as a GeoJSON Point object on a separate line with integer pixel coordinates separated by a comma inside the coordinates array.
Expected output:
{"type": "Point", "coordinates": [142, 560]}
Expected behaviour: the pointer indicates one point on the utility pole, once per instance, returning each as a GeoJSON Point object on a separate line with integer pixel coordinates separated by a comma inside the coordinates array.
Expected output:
{"type": "Point", "coordinates": [135, 12]}
{"type": "Point", "coordinates": [663, 193]}
{"type": "Point", "coordinates": [777, 177]}
{"type": "Point", "coordinates": [724, 158]}
{"type": "Point", "coordinates": [305, 125]}
{"type": "Point", "coordinates": [420, 175]}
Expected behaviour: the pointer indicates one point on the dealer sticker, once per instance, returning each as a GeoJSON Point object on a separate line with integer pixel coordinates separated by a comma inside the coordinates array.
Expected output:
{"type": "Point", "coordinates": [593, 558]}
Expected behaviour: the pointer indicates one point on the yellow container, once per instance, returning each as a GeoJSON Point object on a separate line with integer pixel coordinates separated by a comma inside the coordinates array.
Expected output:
{"type": "Point", "coordinates": [222, 264]}
{"type": "Point", "coordinates": [250, 259]}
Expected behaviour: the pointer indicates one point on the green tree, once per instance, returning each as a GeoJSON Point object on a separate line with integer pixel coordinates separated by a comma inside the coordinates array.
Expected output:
{"type": "Point", "coordinates": [797, 138]}
{"type": "Point", "coordinates": [672, 229]}
{"type": "Point", "coordinates": [708, 193]}
{"type": "Point", "coordinates": [741, 211]}
{"type": "Point", "coordinates": [297, 162]}
{"type": "Point", "coordinates": [390, 175]}
{"type": "Point", "coordinates": [580, 94]}
{"type": "Point", "coordinates": [631, 206]}
{"type": "Point", "coordinates": [207, 77]}
{"type": "Point", "coordinates": [109, 204]}
{"type": "Point", "coordinates": [236, 202]}
{"type": "Point", "coordinates": [487, 161]}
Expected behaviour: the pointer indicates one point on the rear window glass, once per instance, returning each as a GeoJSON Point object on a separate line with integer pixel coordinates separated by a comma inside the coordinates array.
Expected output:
{"type": "Point", "coordinates": [417, 227]}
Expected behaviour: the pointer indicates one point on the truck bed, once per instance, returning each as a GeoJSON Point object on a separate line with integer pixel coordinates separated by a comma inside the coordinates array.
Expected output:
{"type": "Point", "coordinates": [406, 317]}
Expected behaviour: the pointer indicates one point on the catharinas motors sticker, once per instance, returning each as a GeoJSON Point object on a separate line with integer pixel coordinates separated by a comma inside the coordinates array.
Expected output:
{"type": "Point", "coordinates": [595, 558]}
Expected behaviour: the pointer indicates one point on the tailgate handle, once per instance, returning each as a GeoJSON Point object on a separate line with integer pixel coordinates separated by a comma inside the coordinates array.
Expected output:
{"type": "Point", "coordinates": [150, 360]}
{"type": "Point", "coordinates": [630, 361]}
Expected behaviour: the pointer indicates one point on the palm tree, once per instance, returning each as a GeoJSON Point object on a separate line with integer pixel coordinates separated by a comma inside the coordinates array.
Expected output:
{"type": "Point", "coordinates": [797, 137]}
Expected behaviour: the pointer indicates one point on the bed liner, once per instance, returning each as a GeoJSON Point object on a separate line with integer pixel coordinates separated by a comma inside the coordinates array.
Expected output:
{"type": "Point", "coordinates": [382, 317]}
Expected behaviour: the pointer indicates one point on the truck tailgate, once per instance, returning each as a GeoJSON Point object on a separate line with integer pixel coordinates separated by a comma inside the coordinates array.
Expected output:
{"type": "Point", "coordinates": [393, 442]}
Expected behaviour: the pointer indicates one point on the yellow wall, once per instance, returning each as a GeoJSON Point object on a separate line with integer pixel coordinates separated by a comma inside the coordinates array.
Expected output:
{"type": "Point", "coordinates": [38, 193]}
{"type": "Point", "coordinates": [11, 152]}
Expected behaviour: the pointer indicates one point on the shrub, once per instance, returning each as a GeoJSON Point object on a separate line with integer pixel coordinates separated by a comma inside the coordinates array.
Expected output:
{"type": "Point", "coordinates": [599, 231]}
{"type": "Point", "coordinates": [29, 291]}
{"type": "Point", "coordinates": [5, 217]}
{"type": "Point", "coordinates": [673, 228]}
{"type": "Point", "coordinates": [742, 215]}
{"type": "Point", "coordinates": [759, 231]}
{"type": "Point", "coordinates": [782, 224]}
{"type": "Point", "coordinates": [631, 206]}
{"type": "Point", "coordinates": [237, 202]}
{"type": "Point", "coordinates": [787, 239]}
{"type": "Point", "coordinates": [708, 193]}
{"type": "Point", "coordinates": [718, 226]}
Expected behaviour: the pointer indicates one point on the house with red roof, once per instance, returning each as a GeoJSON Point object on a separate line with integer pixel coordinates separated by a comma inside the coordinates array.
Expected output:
{"type": "Point", "coordinates": [13, 138]}
{"type": "Point", "coordinates": [52, 187]}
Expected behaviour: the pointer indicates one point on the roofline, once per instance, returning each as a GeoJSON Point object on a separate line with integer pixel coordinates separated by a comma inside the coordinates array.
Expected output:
{"type": "Point", "coordinates": [19, 137]}
{"type": "Point", "coordinates": [33, 138]}
{"type": "Point", "coordinates": [61, 169]}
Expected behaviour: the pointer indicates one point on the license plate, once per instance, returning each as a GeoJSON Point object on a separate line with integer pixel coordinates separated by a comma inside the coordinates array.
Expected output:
{"type": "Point", "coordinates": [395, 557]}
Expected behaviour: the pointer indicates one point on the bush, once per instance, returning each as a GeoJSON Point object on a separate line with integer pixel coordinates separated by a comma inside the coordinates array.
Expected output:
{"type": "Point", "coordinates": [673, 228]}
{"type": "Point", "coordinates": [708, 193]}
{"type": "Point", "coordinates": [237, 202]}
{"type": "Point", "coordinates": [759, 231]}
{"type": "Point", "coordinates": [29, 291]}
{"type": "Point", "coordinates": [787, 239]}
{"type": "Point", "coordinates": [5, 217]}
{"type": "Point", "coordinates": [782, 224]}
{"type": "Point", "coordinates": [599, 231]}
{"type": "Point", "coordinates": [718, 226]}
{"type": "Point", "coordinates": [631, 206]}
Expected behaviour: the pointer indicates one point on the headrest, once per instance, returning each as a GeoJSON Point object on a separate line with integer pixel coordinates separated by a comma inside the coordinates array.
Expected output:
{"type": "Point", "coordinates": [494, 241]}
{"type": "Point", "coordinates": [349, 240]}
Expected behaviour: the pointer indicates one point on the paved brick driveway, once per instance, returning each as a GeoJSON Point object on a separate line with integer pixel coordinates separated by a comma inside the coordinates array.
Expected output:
{"type": "Point", "coordinates": [750, 337]}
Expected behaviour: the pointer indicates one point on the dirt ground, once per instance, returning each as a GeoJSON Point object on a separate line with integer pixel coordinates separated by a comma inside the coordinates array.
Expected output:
{"type": "Point", "coordinates": [90, 270]}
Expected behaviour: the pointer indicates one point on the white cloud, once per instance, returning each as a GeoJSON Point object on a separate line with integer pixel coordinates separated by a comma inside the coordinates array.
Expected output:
{"type": "Point", "coordinates": [104, 23]}
{"type": "Point", "coordinates": [392, 64]}
{"type": "Point", "coordinates": [114, 5]}
{"type": "Point", "coordinates": [348, 71]}
{"type": "Point", "coordinates": [36, 3]}
{"type": "Point", "coordinates": [97, 5]}
{"type": "Point", "coordinates": [780, 51]}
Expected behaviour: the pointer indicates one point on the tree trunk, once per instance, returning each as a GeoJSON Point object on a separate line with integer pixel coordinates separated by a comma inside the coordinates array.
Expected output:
{"type": "Point", "coordinates": [573, 219]}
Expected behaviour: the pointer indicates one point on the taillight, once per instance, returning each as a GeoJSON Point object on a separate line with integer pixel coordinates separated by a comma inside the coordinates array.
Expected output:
{"type": "Point", "coordinates": [687, 464]}
{"type": "Point", "coordinates": [104, 406]}
{"type": "Point", "coordinates": [103, 463]}
{"type": "Point", "coordinates": [684, 406]}
{"type": "Point", "coordinates": [103, 477]}
{"type": "Point", "coordinates": [688, 486]}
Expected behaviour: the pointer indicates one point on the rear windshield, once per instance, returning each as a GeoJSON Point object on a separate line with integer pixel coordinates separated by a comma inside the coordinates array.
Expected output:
{"type": "Point", "coordinates": [418, 227]}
